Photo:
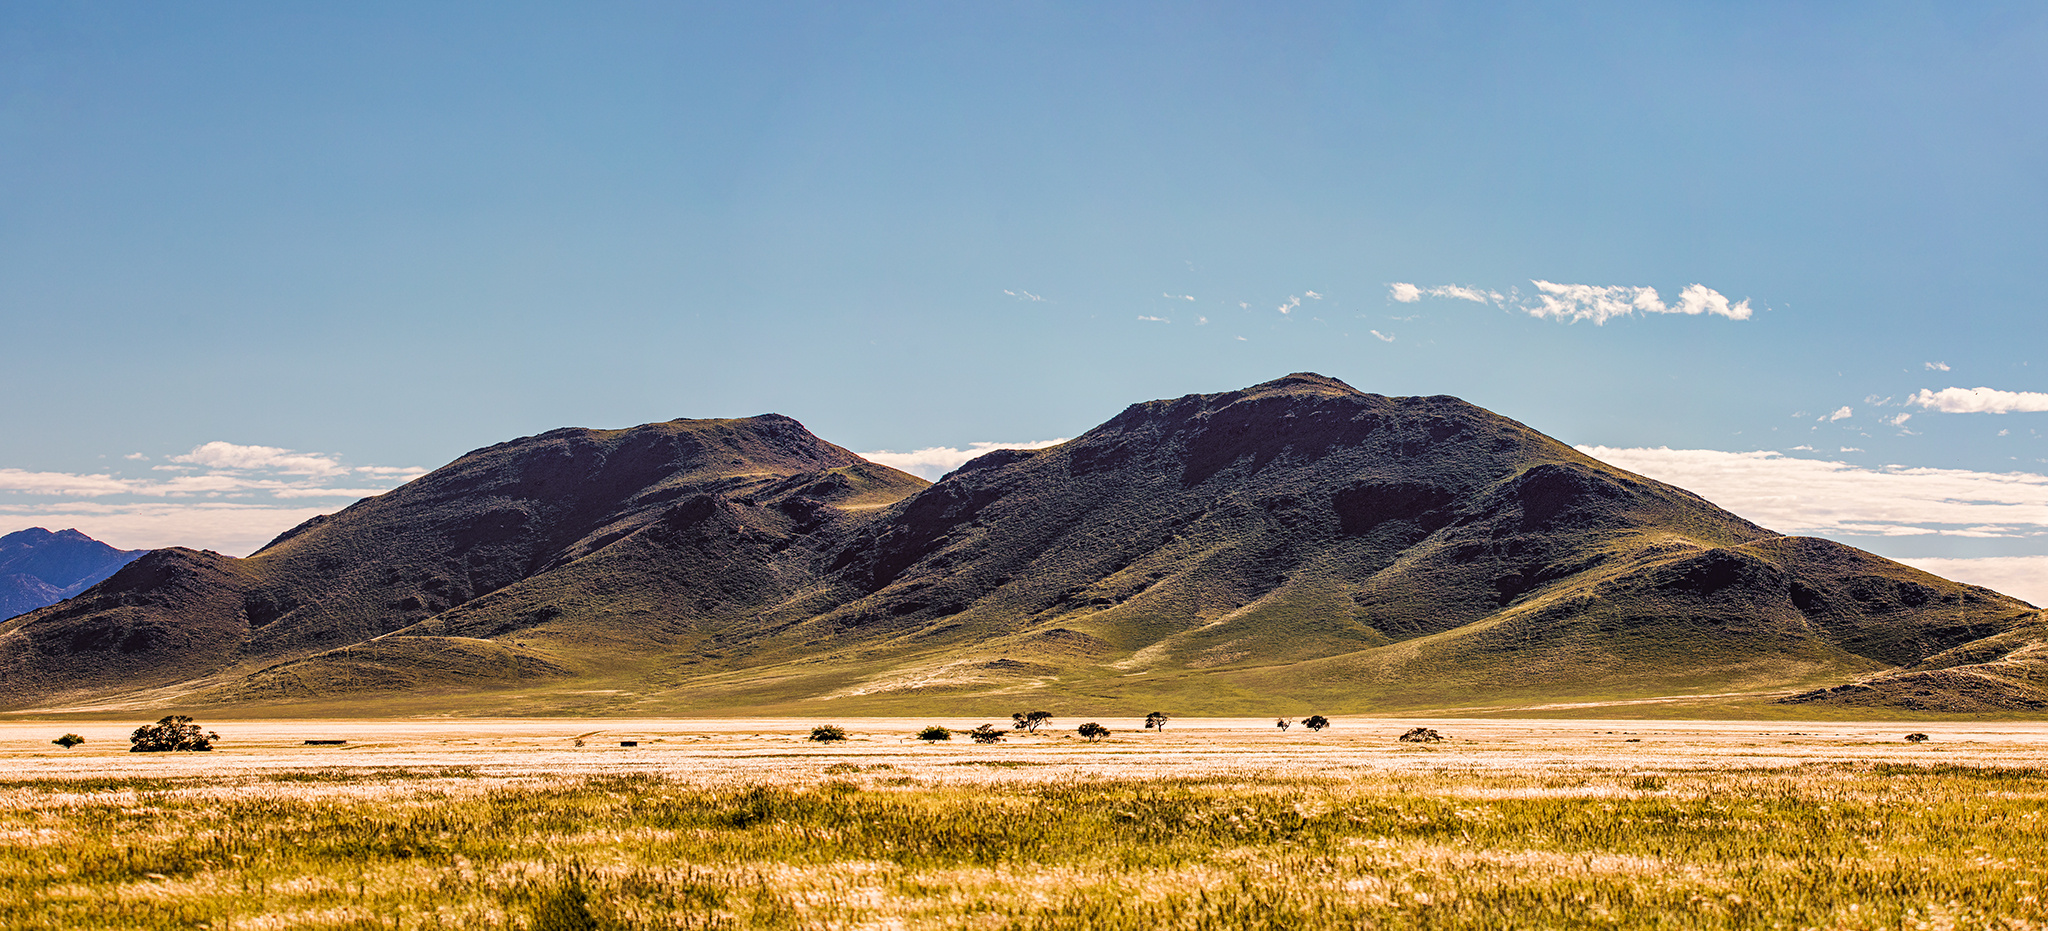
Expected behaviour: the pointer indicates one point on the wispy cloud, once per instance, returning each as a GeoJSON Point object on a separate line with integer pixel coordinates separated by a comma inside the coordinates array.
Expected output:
{"type": "Point", "coordinates": [1150, 319]}
{"type": "Point", "coordinates": [1311, 295]}
{"type": "Point", "coordinates": [932, 462]}
{"type": "Point", "coordinates": [1022, 295]}
{"type": "Point", "coordinates": [1980, 401]}
{"type": "Point", "coordinates": [1575, 302]}
{"type": "Point", "coordinates": [1292, 302]}
{"type": "Point", "coordinates": [1841, 413]}
{"type": "Point", "coordinates": [1795, 495]}
{"type": "Point", "coordinates": [1177, 297]}
{"type": "Point", "coordinates": [224, 455]}
{"type": "Point", "coordinates": [226, 527]}
{"type": "Point", "coordinates": [1382, 337]}
{"type": "Point", "coordinates": [1936, 366]}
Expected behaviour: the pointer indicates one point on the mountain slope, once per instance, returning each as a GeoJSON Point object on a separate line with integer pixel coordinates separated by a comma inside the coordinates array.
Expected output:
{"type": "Point", "coordinates": [1295, 543]}
{"type": "Point", "coordinates": [38, 567]}
{"type": "Point", "coordinates": [489, 520]}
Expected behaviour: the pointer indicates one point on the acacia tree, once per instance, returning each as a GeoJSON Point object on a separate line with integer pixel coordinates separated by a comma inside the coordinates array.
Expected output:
{"type": "Point", "coordinates": [1156, 721]}
{"type": "Point", "coordinates": [1282, 723]}
{"type": "Point", "coordinates": [935, 732]}
{"type": "Point", "coordinates": [1315, 722]}
{"type": "Point", "coordinates": [173, 732]}
{"type": "Point", "coordinates": [1093, 731]}
{"type": "Point", "coordinates": [1028, 721]}
{"type": "Point", "coordinates": [68, 741]}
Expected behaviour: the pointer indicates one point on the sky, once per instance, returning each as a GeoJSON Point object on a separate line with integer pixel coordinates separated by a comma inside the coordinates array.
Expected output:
{"type": "Point", "coordinates": [258, 260]}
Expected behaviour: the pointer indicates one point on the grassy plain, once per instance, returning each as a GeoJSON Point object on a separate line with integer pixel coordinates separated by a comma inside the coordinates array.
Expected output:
{"type": "Point", "coordinates": [1210, 824]}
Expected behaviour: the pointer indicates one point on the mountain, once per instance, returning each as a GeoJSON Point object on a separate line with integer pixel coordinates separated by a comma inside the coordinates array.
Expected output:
{"type": "Point", "coordinates": [40, 568]}
{"type": "Point", "coordinates": [1295, 544]}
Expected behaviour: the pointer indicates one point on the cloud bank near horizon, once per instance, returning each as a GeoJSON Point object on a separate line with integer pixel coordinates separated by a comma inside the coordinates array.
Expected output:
{"type": "Point", "coordinates": [1823, 496]}
{"type": "Point", "coordinates": [933, 462]}
{"type": "Point", "coordinates": [1980, 401]}
{"type": "Point", "coordinates": [220, 496]}
{"type": "Point", "coordinates": [1575, 302]}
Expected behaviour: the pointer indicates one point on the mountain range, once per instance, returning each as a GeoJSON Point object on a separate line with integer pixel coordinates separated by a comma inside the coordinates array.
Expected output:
{"type": "Point", "coordinates": [1297, 545]}
{"type": "Point", "coordinates": [38, 567]}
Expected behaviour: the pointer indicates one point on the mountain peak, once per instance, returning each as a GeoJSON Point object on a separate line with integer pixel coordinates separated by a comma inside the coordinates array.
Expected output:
{"type": "Point", "coordinates": [1302, 383]}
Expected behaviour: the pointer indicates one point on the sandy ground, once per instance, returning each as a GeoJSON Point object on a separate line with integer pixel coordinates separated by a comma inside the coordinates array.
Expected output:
{"type": "Point", "coordinates": [776, 750]}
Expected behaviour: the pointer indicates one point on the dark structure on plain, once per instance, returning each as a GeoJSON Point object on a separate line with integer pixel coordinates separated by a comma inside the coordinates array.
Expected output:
{"type": "Point", "coordinates": [629, 743]}
{"type": "Point", "coordinates": [325, 743]}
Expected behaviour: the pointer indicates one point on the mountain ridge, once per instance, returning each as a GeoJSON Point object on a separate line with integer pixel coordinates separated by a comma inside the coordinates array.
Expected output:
{"type": "Point", "coordinates": [1297, 540]}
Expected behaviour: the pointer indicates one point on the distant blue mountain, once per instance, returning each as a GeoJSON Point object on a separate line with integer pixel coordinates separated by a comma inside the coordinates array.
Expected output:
{"type": "Point", "coordinates": [40, 568]}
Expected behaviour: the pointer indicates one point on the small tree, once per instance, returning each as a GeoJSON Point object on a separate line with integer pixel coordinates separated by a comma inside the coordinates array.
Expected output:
{"type": "Point", "coordinates": [827, 733]}
{"type": "Point", "coordinates": [1916, 738]}
{"type": "Point", "coordinates": [1029, 721]}
{"type": "Point", "coordinates": [173, 732]}
{"type": "Point", "coordinates": [68, 741]}
{"type": "Point", "coordinates": [1093, 731]}
{"type": "Point", "coordinates": [935, 732]}
{"type": "Point", "coordinates": [1156, 721]}
{"type": "Point", "coordinates": [986, 734]}
{"type": "Point", "coordinates": [1422, 735]}
{"type": "Point", "coordinates": [1315, 722]}
{"type": "Point", "coordinates": [1283, 723]}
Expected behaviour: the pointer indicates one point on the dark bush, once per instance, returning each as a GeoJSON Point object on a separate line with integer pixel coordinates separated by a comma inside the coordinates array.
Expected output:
{"type": "Point", "coordinates": [935, 732]}
{"type": "Point", "coordinates": [68, 741]}
{"type": "Point", "coordinates": [986, 734]}
{"type": "Point", "coordinates": [1093, 731]}
{"type": "Point", "coordinates": [827, 733]}
{"type": "Point", "coordinates": [1916, 738]}
{"type": "Point", "coordinates": [173, 732]}
{"type": "Point", "coordinates": [1315, 722]}
{"type": "Point", "coordinates": [1282, 723]}
{"type": "Point", "coordinates": [1422, 735]}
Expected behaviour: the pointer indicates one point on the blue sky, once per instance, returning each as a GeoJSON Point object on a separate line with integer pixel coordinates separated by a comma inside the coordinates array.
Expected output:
{"type": "Point", "coordinates": [255, 259]}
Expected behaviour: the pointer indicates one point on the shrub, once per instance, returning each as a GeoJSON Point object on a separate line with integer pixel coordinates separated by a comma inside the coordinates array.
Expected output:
{"type": "Point", "coordinates": [1156, 721]}
{"type": "Point", "coordinates": [1422, 735]}
{"type": "Point", "coordinates": [1282, 723]}
{"type": "Point", "coordinates": [68, 741]}
{"type": "Point", "coordinates": [173, 732]}
{"type": "Point", "coordinates": [1093, 731]}
{"type": "Point", "coordinates": [935, 732]}
{"type": "Point", "coordinates": [1315, 722]}
{"type": "Point", "coordinates": [827, 733]}
{"type": "Point", "coordinates": [986, 734]}
{"type": "Point", "coordinates": [1028, 721]}
{"type": "Point", "coordinates": [1916, 738]}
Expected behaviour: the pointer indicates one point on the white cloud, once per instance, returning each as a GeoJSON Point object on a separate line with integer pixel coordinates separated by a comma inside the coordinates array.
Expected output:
{"type": "Point", "coordinates": [1022, 295]}
{"type": "Point", "coordinates": [934, 461]}
{"type": "Point", "coordinates": [1575, 302]}
{"type": "Point", "coordinates": [2023, 577]}
{"type": "Point", "coordinates": [1201, 321]}
{"type": "Point", "coordinates": [222, 455]}
{"type": "Point", "coordinates": [1177, 297]}
{"type": "Point", "coordinates": [1311, 295]}
{"type": "Point", "coordinates": [1841, 413]}
{"type": "Point", "coordinates": [1898, 420]}
{"type": "Point", "coordinates": [135, 456]}
{"type": "Point", "coordinates": [1820, 496]}
{"type": "Point", "coordinates": [1980, 401]}
{"type": "Point", "coordinates": [1598, 303]}
{"type": "Point", "coordinates": [1852, 449]}
{"type": "Point", "coordinates": [1936, 366]}
{"type": "Point", "coordinates": [1153, 319]}
{"type": "Point", "coordinates": [1382, 337]}
{"type": "Point", "coordinates": [1292, 302]}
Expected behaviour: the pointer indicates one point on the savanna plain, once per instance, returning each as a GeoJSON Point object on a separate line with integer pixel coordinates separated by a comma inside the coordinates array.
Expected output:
{"type": "Point", "coordinates": [1208, 823]}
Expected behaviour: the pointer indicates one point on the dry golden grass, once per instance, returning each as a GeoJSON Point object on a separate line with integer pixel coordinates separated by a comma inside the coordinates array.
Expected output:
{"type": "Point", "coordinates": [1211, 824]}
